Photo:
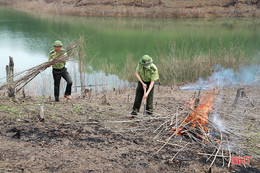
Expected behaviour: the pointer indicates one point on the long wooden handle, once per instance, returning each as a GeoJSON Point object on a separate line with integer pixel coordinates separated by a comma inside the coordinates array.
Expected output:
{"type": "Point", "coordinates": [144, 102]}
{"type": "Point", "coordinates": [144, 94]}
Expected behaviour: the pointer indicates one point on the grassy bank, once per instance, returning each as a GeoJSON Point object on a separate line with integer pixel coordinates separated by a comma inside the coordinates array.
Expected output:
{"type": "Point", "coordinates": [143, 8]}
{"type": "Point", "coordinates": [179, 67]}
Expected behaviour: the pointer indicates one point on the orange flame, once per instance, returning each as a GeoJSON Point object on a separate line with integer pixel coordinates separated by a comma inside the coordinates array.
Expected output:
{"type": "Point", "coordinates": [198, 119]}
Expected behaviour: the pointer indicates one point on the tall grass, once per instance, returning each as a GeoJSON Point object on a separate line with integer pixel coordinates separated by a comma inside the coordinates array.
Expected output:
{"type": "Point", "coordinates": [125, 72]}
{"type": "Point", "coordinates": [180, 67]}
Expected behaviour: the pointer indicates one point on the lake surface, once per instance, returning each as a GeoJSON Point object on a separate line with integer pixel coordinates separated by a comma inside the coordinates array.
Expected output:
{"type": "Point", "coordinates": [28, 38]}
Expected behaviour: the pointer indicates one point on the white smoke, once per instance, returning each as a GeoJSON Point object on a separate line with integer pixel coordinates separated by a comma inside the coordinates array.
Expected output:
{"type": "Point", "coordinates": [216, 117]}
{"type": "Point", "coordinates": [224, 77]}
{"type": "Point", "coordinates": [218, 122]}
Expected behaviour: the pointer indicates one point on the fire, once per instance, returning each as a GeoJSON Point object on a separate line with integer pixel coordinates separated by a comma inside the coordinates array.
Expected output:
{"type": "Point", "coordinates": [197, 121]}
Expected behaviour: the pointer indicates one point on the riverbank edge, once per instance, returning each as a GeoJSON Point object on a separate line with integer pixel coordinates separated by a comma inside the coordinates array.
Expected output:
{"type": "Point", "coordinates": [143, 10]}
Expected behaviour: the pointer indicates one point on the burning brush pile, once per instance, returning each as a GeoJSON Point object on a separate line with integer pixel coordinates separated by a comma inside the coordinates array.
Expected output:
{"type": "Point", "coordinates": [196, 128]}
{"type": "Point", "coordinates": [220, 122]}
{"type": "Point", "coordinates": [208, 128]}
{"type": "Point", "coordinates": [215, 121]}
{"type": "Point", "coordinates": [195, 124]}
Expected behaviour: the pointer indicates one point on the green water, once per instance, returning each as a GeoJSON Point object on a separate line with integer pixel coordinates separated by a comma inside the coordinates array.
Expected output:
{"type": "Point", "coordinates": [29, 36]}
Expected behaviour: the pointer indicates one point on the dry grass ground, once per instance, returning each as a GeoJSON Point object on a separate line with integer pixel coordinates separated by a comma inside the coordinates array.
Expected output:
{"type": "Point", "coordinates": [144, 8]}
{"type": "Point", "coordinates": [91, 134]}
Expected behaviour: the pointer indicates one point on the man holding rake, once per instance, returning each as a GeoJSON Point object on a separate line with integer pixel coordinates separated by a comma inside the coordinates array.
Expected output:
{"type": "Point", "coordinates": [59, 70]}
{"type": "Point", "coordinates": [147, 74]}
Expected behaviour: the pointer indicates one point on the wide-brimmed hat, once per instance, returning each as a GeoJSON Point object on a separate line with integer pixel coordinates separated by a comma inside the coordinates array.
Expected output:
{"type": "Point", "coordinates": [146, 60]}
{"type": "Point", "coordinates": [58, 43]}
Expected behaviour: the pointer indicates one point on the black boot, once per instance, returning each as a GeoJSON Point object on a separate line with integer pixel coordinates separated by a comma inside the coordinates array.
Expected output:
{"type": "Point", "coordinates": [57, 99]}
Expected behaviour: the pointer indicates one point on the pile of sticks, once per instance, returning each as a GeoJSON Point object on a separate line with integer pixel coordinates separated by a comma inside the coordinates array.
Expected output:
{"type": "Point", "coordinates": [24, 77]}
{"type": "Point", "coordinates": [213, 138]}
{"type": "Point", "coordinates": [214, 143]}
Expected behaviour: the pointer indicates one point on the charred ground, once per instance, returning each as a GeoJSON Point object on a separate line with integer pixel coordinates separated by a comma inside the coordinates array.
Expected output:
{"type": "Point", "coordinates": [91, 134]}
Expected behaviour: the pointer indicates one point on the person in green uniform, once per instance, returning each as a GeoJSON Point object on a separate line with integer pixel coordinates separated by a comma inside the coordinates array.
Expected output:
{"type": "Point", "coordinates": [147, 74]}
{"type": "Point", "coordinates": [59, 70]}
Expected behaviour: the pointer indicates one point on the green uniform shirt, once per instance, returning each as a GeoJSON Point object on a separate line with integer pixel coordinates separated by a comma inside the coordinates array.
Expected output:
{"type": "Point", "coordinates": [147, 75]}
{"type": "Point", "coordinates": [53, 54]}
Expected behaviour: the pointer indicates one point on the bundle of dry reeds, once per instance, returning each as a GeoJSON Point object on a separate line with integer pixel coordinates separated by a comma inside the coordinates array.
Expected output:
{"type": "Point", "coordinates": [24, 77]}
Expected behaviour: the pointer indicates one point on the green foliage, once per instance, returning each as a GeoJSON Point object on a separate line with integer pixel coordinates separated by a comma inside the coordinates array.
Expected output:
{"type": "Point", "coordinates": [96, 114]}
{"type": "Point", "coordinates": [11, 109]}
{"type": "Point", "coordinates": [78, 110]}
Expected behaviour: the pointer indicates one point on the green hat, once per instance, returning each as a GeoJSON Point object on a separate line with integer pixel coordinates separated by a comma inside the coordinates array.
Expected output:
{"type": "Point", "coordinates": [146, 60]}
{"type": "Point", "coordinates": [58, 43]}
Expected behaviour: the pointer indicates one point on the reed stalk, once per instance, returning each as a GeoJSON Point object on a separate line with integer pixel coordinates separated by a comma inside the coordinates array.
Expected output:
{"type": "Point", "coordinates": [179, 67]}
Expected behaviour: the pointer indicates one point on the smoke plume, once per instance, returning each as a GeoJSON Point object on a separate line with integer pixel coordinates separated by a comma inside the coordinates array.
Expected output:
{"type": "Point", "coordinates": [225, 77]}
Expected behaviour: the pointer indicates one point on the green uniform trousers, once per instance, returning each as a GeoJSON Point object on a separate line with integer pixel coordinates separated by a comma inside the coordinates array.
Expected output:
{"type": "Point", "coordinates": [57, 74]}
{"type": "Point", "coordinates": [139, 96]}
